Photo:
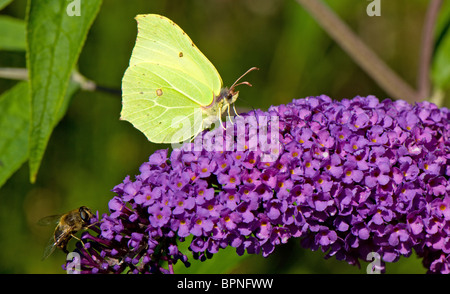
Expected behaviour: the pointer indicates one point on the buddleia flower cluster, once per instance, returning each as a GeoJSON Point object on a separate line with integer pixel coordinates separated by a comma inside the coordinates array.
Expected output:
{"type": "Point", "coordinates": [349, 177]}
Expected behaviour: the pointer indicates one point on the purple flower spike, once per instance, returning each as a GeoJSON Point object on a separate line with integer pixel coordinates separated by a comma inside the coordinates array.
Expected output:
{"type": "Point", "coordinates": [352, 178]}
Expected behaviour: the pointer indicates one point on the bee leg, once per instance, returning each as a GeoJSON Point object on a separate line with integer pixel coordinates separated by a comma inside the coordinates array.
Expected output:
{"type": "Point", "coordinates": [93, 224]}
{"type": "Point", "coordinates": [82, 243]}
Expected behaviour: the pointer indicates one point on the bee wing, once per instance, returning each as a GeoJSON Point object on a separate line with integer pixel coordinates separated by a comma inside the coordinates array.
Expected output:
{"type": "Point", "coordinates": [49, 249]}
{"type": "Point", "coordinates": [56, 241]}
{"type": "Point", "coordinates": [49, 220]}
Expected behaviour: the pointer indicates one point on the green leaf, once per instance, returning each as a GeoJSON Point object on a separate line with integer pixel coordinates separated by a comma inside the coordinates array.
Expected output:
{"type": "Point", "coordinates": [4, 3]}
{"type": "Point", "coordinates": [54, 43]}
{"type": "Point", "coordinates": [14, 123]}
{"type": "Point", "coordinates": [15, 126]}
{"type": "Point", "coordinates": [12, 33]}
{"type": "Point", "coordinates": [441, 66]}
{"type": "Point", "coordinates": [440, 70]}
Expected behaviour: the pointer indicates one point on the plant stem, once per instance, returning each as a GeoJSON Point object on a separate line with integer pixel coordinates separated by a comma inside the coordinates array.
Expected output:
{"type": "Point", "coordinates": [13, 73]}
{"type": "Point", "coordinates": [426, 51]}
{"type": "Point", "coordinates": [85, 84]}
{"type": "Point", "coordinates": [387, 79]}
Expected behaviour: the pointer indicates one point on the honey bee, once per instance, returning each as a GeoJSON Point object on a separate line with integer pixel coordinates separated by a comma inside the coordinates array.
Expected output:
{"type": "Point", "coordinates": [67, 226]}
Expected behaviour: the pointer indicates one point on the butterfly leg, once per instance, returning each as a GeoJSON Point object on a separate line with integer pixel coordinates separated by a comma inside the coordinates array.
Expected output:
{"type": "Point", "coordinates": [229, 115]}
{"type": "Point", "coordinates": [220, 119]}
{"type": "Point", "coordinates": [234, 108]}
{"type": "Point", "coordinates": [220, 115]}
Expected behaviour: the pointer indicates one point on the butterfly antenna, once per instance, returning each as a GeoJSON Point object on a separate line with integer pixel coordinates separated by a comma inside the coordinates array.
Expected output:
{"type": "Point", "coordinates": [243, 83]}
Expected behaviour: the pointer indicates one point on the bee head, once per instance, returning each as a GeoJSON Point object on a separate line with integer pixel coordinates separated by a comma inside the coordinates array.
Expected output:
{"type": "Point", "coordinates": [85, 214]}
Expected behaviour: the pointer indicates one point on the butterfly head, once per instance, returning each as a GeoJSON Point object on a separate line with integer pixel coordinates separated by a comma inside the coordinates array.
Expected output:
{"type": "Point", "coordinates": [229, 96]}
{"type": "Point", "coordinates": [225, 99]}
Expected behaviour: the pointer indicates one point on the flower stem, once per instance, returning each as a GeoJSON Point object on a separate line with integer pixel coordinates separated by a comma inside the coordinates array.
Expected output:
{"type": "Point", "coordinates": [393, 84]}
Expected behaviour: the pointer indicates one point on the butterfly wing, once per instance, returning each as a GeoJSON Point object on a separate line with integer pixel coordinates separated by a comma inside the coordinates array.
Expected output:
{"type": "Point", "coordinates": [168, 82]}
{"type": "Point", "coordinates": [159, 101]}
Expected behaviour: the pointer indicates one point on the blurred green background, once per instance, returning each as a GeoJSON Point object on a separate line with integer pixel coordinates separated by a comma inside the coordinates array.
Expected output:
{"type": "Point", "coordinates": [91, 151]}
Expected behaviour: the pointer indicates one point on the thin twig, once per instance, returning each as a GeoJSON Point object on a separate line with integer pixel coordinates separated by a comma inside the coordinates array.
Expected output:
{"type": "Point", "coordinates": [393, 84]}
{"type": "Point", "coordinates": [13, 73]}
{"type": "Point", "coordinates": [85, 84]}
{"type": "Point", "coordinates": [426, 51]}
